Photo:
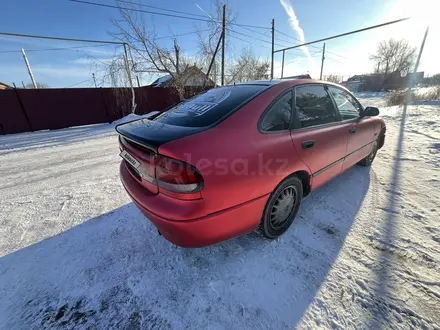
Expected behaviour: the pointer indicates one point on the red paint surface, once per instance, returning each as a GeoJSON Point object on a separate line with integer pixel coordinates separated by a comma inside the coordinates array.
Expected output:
{"type": "Point", "coordinates": [241, 167]}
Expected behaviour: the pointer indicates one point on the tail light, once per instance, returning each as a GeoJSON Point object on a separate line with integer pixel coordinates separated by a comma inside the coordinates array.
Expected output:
{"type": "Point", "coordinates": [171, 176]}
{"type": "Point", "coordinates": [177, 176]}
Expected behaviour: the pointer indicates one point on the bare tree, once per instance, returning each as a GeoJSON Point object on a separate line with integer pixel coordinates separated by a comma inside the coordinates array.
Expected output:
{"type": "Point", "coordinates": [247, 67]}
{"type": "Point", "coordinates": [394, 56]}
{"type": "Point", "coordinates": [39, 85]}
{"type": "Point", "coordinates": [333, 78]}
{"type": "Point", "coordinates": [207, 44]}
{"type": "Point", "coordinates": [150, 56]}
{"type": "Point", "coordinates": [118, 77]}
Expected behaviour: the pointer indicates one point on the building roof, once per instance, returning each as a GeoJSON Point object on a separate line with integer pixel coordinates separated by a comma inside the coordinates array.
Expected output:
{"type": "Point", "coordinates": [168, 79]}
{"type": "Point", "coordinates": [4, 86]}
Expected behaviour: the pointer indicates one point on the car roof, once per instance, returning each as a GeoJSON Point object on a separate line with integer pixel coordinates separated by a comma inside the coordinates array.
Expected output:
{"type": "Point", "coordinates": [289, 82]}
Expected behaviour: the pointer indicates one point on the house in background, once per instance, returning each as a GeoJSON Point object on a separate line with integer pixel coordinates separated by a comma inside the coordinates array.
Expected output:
{"type": "Point", "coordinates": [377, 81]}
{"type": "Point", "coordinates": [191, 77]}
{"type": "Point", "coordinates": [4, 86]}
{"type": "Point", "coordinates": [301, 76]}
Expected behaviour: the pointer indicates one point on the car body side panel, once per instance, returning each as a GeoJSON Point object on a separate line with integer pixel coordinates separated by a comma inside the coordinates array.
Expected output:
{"type": "Point", "coordinates": [237, 162]}
{"type": "Point", "coordinates": [359, 143]}
{"type": "Point", "coordinates": [326, 156]}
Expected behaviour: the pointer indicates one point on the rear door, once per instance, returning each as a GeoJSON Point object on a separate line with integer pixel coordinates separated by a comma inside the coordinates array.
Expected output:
{"type": "Point", "coordinates": [360, 131]}
{"type": "Point", "coordinates": [318, 135]}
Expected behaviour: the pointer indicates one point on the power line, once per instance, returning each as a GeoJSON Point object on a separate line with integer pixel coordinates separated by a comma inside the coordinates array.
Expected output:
{"type": "Point", "coordinates": [333, 59]}
{"type": "Point", "coordinates": [82, 82]}
{"type": "Point", "coordinates": [327, 51]}
{"type": "Point", "coordinates": [182, 34]}
{"type": "Point", "coordinates": [138, 10]}
{"type": "Point", "coordinates": [50, 49]}
{"type": "Point", "coordinates": [162, 14]}
{"type": "Point", "coordinates": [91, 79]}
{"type": "Point", "coordinates": [247, 35]}
{"type": "Point", "coordinates": [344, 34]}
{"type": "Point", "coordinates": [159, 8]}
{"type": "Point", "coordinates": [299, 57]}
{"type": "Point", "coordinates": [60, 38]}
{"type": "Point", "coordinates": [246, 41]}
{"type": "Point", "coordinates": [262, 34]}
{"type": "Point", "coordinates": [296, 39]}
{"type": "Point", "coordinates": [316, 47]}
{"type": "Point", "coordinates": [251, 26]}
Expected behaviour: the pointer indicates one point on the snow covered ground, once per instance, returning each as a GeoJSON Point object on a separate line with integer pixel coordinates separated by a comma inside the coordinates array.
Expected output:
{"type": "Point", "coordinates": [364, 252]}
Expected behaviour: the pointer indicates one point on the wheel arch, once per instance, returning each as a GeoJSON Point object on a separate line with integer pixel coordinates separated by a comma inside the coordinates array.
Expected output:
{"type": "Point", "coordinates": [305, 178]}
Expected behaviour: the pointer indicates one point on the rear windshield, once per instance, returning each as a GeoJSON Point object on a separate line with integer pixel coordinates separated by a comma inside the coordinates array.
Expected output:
{"type": "Point", "coordinates": [207, 108]}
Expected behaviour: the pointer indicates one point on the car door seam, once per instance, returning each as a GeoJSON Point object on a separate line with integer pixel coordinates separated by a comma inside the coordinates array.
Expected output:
{"type": "Point", "coordinates": [339, 160]}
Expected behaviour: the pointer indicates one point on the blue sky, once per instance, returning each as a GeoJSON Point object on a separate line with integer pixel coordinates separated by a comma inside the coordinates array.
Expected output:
{"type": "Point", "coordinates": [317, 19]}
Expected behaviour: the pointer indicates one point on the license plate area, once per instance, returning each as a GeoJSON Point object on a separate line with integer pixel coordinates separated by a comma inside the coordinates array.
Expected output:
{"type": "Point", "coordinates": [130, 159]}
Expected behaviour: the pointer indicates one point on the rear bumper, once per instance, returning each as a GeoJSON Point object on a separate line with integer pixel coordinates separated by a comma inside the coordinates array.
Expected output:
{"type": "Point", "coordinates": [187, 232]}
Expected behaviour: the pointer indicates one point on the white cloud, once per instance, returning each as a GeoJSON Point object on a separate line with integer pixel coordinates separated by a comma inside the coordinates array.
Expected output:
{"type": "Point", "coordinates": [294, 23]}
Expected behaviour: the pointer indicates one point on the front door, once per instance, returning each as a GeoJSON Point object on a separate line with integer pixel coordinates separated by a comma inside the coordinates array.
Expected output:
{"type": "Point", "coordinates": [360, 131]}
{"type": "Point", "coordinates": [318, 135]}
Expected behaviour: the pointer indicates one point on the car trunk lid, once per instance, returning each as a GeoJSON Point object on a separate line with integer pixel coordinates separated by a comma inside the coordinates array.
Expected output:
{"type": "Point", "coordinates": [139, 142]}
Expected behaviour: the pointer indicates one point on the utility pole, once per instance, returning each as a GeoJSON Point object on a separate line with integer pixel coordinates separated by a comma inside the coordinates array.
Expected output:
{"type": "Point", "coordinates": [322, 61]}
{"type": "Point", "coordinates": [29, 68]}
{"type": "Point", "coordinates": [416, 67]}
{"type": "Point", "coordinates": [212, 62]}
{"type": "Point", "coordinates": [223, 44]}
{"type": "Point", "coordinates": [127, 67]}
{"type": "Point", "coordinates": [273, 48]}
{"type": "Point", "coordinates": [94, 79]}
{"type": "Point", "coordinates": [282, 66]}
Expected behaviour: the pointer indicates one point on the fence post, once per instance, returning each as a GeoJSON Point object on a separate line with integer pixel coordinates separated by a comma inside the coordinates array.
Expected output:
{"type": "Point", "coordinates": [23, 109]}
{"type": "Point", "coordinates": [105, 106]}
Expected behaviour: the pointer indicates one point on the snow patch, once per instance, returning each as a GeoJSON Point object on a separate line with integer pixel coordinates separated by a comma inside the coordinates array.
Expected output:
{"type": "Point", "coordinates": [76, 253]}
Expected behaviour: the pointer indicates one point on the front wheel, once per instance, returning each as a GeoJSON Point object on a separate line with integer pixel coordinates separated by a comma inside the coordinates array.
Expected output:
{"type": "Point", "coordinates": [281, 208]}
{"type": "Point", "coordinates": [367, 161]}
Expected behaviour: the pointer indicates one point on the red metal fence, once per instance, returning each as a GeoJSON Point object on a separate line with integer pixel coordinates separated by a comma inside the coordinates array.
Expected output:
{"type": "Point", "coordinates": [24, 110]}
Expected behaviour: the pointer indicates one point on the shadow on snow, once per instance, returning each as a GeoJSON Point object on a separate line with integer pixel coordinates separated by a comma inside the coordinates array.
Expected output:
{"type": "Point", "coordinates": [115, 271]}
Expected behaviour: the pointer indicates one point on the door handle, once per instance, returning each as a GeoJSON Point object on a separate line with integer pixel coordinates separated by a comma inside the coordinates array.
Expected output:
{"type": "Point", "coordinates": [352, 130]}
{"type": "Point", "coordinates": [308, 144]}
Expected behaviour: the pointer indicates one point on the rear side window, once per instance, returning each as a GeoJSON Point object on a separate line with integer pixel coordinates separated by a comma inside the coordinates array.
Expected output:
{"type": "Point", "coordinates": [277, 117]}
{"type": "Point", "coordinates": [348, 107]}
{"type": "Point", "coordinates": [314, 106]}
{"type": "Point", "coordinates": [207, 108]}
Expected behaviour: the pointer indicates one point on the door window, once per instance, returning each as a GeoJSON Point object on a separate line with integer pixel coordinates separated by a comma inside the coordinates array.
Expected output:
{"type": "Point", "coordinates": [348, 107]}
{"type": "Point", "coordinates": [314, 106]}
{"type": "Point", "coordinates": [278, 116]}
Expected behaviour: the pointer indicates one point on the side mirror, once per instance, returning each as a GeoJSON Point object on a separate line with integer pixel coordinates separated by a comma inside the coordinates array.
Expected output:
{"type": "Point", "coordinates": [370, 112]}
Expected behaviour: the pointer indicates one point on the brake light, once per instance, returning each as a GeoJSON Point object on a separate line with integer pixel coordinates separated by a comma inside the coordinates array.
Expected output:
{"type": "Point", "coordinates": [172, 176]}
{"type": "Point", "coordinates": [177, 176]}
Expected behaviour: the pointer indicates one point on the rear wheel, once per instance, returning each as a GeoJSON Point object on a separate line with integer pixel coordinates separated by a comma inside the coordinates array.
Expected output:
{"type": "Point", "coordinates": [367, 161]}
{"type": "Point", "coordinates": [281, 208]}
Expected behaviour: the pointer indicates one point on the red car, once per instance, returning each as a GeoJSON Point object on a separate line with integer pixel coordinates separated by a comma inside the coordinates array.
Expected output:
{"type": "Point", "coordinates": [241, 158]}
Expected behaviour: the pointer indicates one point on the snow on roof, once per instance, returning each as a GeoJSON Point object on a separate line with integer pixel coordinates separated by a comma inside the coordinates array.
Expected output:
{"type": "Point", "coordinates": [161, 81]}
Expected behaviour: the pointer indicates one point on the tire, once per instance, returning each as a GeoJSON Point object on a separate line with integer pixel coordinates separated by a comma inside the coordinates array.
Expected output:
{"type": "Point", "coordinates": [367, 161]}
{"type": "Point", "coordinates": [381, 139]}
{"type": "Point", "coordinates": [287, 196]}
